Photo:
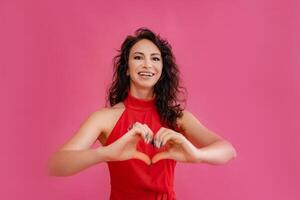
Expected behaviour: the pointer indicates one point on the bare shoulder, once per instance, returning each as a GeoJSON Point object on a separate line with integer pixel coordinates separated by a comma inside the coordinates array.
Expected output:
{"type": "Point", "coordinates": [184, 119]}
{"type": "Point", "coordinates": [112, 116]}
{"type": "Point", "coordinates": [105, 116]}
{"type": "Point", "coordinates": [115, 110]}
{"type": "Point", "coordinates": [106, 112]}
{"type": "Point", "coordinates": [96, 125]}
{"type": "Point", "coordinates": [118, 105]}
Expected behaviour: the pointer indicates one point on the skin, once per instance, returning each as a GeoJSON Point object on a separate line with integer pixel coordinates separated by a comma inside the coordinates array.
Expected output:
{"type": "Point", "coordinates": [144, 56]}
{"type": "Point", "coordinates": [196, 144]}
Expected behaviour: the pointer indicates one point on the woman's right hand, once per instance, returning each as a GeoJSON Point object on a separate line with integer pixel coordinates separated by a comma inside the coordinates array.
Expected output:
{"type": "Point", "coordinates": [125, 147]}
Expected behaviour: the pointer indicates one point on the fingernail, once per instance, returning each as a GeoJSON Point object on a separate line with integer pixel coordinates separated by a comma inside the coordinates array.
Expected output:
{"type": "Point", "coordinates": [160, 145]}
{"type": "Point", "coordinates": [147, 139]}
{"type": "Point", "coordinates": [157, 144]}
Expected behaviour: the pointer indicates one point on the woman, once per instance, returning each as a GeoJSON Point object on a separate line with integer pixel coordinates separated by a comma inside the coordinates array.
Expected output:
{"type": "Point", "coordinates": [145, 131]}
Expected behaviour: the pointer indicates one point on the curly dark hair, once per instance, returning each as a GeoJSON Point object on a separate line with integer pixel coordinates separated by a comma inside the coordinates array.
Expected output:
{"type": "Point", "coordinates": [168, 89]}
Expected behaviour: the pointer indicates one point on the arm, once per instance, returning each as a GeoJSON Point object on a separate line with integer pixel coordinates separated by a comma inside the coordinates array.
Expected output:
{"type": "Point", "coordinates": [69, 162]}
{"type": "Point", "coordinates": [76, 155]}
{"type": "Point", "coordinates": [212, 148]}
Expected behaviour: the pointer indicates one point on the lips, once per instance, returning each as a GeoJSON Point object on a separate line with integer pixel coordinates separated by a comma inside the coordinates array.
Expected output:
{"type": "Point", "coordinates": [146, 73]}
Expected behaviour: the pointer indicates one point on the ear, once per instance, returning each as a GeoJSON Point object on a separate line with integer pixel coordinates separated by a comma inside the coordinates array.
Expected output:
{"type": "Point", "coordinates": [127, 72]}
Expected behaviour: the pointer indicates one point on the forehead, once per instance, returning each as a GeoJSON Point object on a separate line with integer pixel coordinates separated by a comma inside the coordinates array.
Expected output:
{"type": "Point", "coordinates": [145, 46]}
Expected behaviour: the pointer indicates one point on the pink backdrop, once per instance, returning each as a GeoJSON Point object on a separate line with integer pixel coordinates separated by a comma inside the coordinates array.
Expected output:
{"type": "Point", "coordinates": [239, 62]}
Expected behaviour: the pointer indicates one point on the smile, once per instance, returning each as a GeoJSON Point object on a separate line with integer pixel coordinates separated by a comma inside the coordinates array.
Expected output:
{"type": "Point", "coordinates": [144, 73]}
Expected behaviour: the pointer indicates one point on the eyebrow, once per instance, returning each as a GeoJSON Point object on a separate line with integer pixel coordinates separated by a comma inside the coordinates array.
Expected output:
{"type": "Point", "coordinates": [143, 53]}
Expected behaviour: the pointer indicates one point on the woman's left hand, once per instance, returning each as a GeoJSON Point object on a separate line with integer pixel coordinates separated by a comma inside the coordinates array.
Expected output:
{"type": "Point", "coordinates": [177, 147]}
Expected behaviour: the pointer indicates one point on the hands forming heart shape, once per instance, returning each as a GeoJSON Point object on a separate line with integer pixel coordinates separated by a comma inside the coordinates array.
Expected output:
{"type": "Point", "coordinates": [177, 146]}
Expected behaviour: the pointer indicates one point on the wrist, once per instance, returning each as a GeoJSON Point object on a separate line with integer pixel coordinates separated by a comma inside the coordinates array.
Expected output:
{"type": "Point", "coordinates": [199, 155]}
{"type": "Point", "coordinates": [102, 154]}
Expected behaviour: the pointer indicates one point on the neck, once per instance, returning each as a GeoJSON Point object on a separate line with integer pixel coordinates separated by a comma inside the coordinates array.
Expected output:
{"type": "Point", "coordinates": [145, 94]}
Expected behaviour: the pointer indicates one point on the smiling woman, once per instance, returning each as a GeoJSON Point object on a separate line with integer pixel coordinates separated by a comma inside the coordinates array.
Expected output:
{"type": "Point", "coordinates": [145, 130]}
{"type": "Point", "coordinates": [145, 65]}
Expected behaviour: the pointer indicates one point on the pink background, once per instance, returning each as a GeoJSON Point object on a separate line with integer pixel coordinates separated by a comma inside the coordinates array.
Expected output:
{"type": "Point", "coordinates": [239, 62]}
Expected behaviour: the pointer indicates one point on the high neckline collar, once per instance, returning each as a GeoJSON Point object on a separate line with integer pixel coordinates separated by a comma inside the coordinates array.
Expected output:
{"type": "Point", "coordinates": [139, 104]}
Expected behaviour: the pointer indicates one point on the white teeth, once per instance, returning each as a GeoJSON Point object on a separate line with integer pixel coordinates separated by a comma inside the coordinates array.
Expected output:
{"type": "Point", "coordinates": [146, 74]}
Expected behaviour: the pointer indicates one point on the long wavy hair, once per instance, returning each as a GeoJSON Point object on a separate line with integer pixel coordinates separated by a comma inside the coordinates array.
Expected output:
{"type": "Point", "coordinates": [170, 94]}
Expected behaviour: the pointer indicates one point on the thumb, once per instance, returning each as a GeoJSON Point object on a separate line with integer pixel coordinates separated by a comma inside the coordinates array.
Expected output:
{"type": "Point", "coordinates": [160, 156]}
{"type": "Point", "coordinates": [143, 157]}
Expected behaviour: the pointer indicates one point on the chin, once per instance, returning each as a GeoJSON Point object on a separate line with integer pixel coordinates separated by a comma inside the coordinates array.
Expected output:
{"type": "Point", "coordinates": [145, 86]}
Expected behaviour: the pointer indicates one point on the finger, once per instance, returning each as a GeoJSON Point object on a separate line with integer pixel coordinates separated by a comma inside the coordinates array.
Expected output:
{"type": "Point", "coordinates": [134, 125]}
{"type": "Point", "coordinates": [160, 156]}
{"type": "Point", "coordinates": [136, 129]}
{"type": "Point", "coordinates": [145, 132]}
{"type": "Point", "coordinates": [165, 137]}
{"type": "Point", "coordinates": [141, 156]}
{"type": "Point", "coordinates": [141, 130]}
{"type": "Point", "coordinates": [157, 137]}
{"type": "Point", "coordinates": [174, 137]}
{"type": "Point", "coordinates": [149, 134]}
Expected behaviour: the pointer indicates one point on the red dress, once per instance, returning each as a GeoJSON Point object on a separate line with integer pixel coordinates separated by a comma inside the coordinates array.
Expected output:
{"type": "Point", "coordinates": [133, 179]}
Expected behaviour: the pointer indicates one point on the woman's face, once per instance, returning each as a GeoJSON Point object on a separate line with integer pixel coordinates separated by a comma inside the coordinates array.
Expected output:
{"type": "Point", "coordinates": [144, 64]}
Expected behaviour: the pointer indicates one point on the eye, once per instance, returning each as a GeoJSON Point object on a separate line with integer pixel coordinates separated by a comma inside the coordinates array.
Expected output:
{"type": "Point", "coordinates": [137, 57]}
{"type": "Point", "coordinates": [156, 59]}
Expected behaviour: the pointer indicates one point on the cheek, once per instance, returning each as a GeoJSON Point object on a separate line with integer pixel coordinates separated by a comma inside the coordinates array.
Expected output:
{"type": "Point", "coordinates": [159, 69]}
{"type": "Point", "coordinates": [132, 65]}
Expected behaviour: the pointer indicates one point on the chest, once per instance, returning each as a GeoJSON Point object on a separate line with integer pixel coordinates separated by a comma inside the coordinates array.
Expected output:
{"type": "Point", "coordinates": [120, 122]}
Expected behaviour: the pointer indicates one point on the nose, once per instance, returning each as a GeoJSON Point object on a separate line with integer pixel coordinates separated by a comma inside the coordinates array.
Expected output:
{"type": "Point", "coordinates": [147, 63]}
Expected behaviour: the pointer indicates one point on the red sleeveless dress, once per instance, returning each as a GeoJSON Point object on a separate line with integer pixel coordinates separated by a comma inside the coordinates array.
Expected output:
{"type": "Point", "coordinates": [133, 179]}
